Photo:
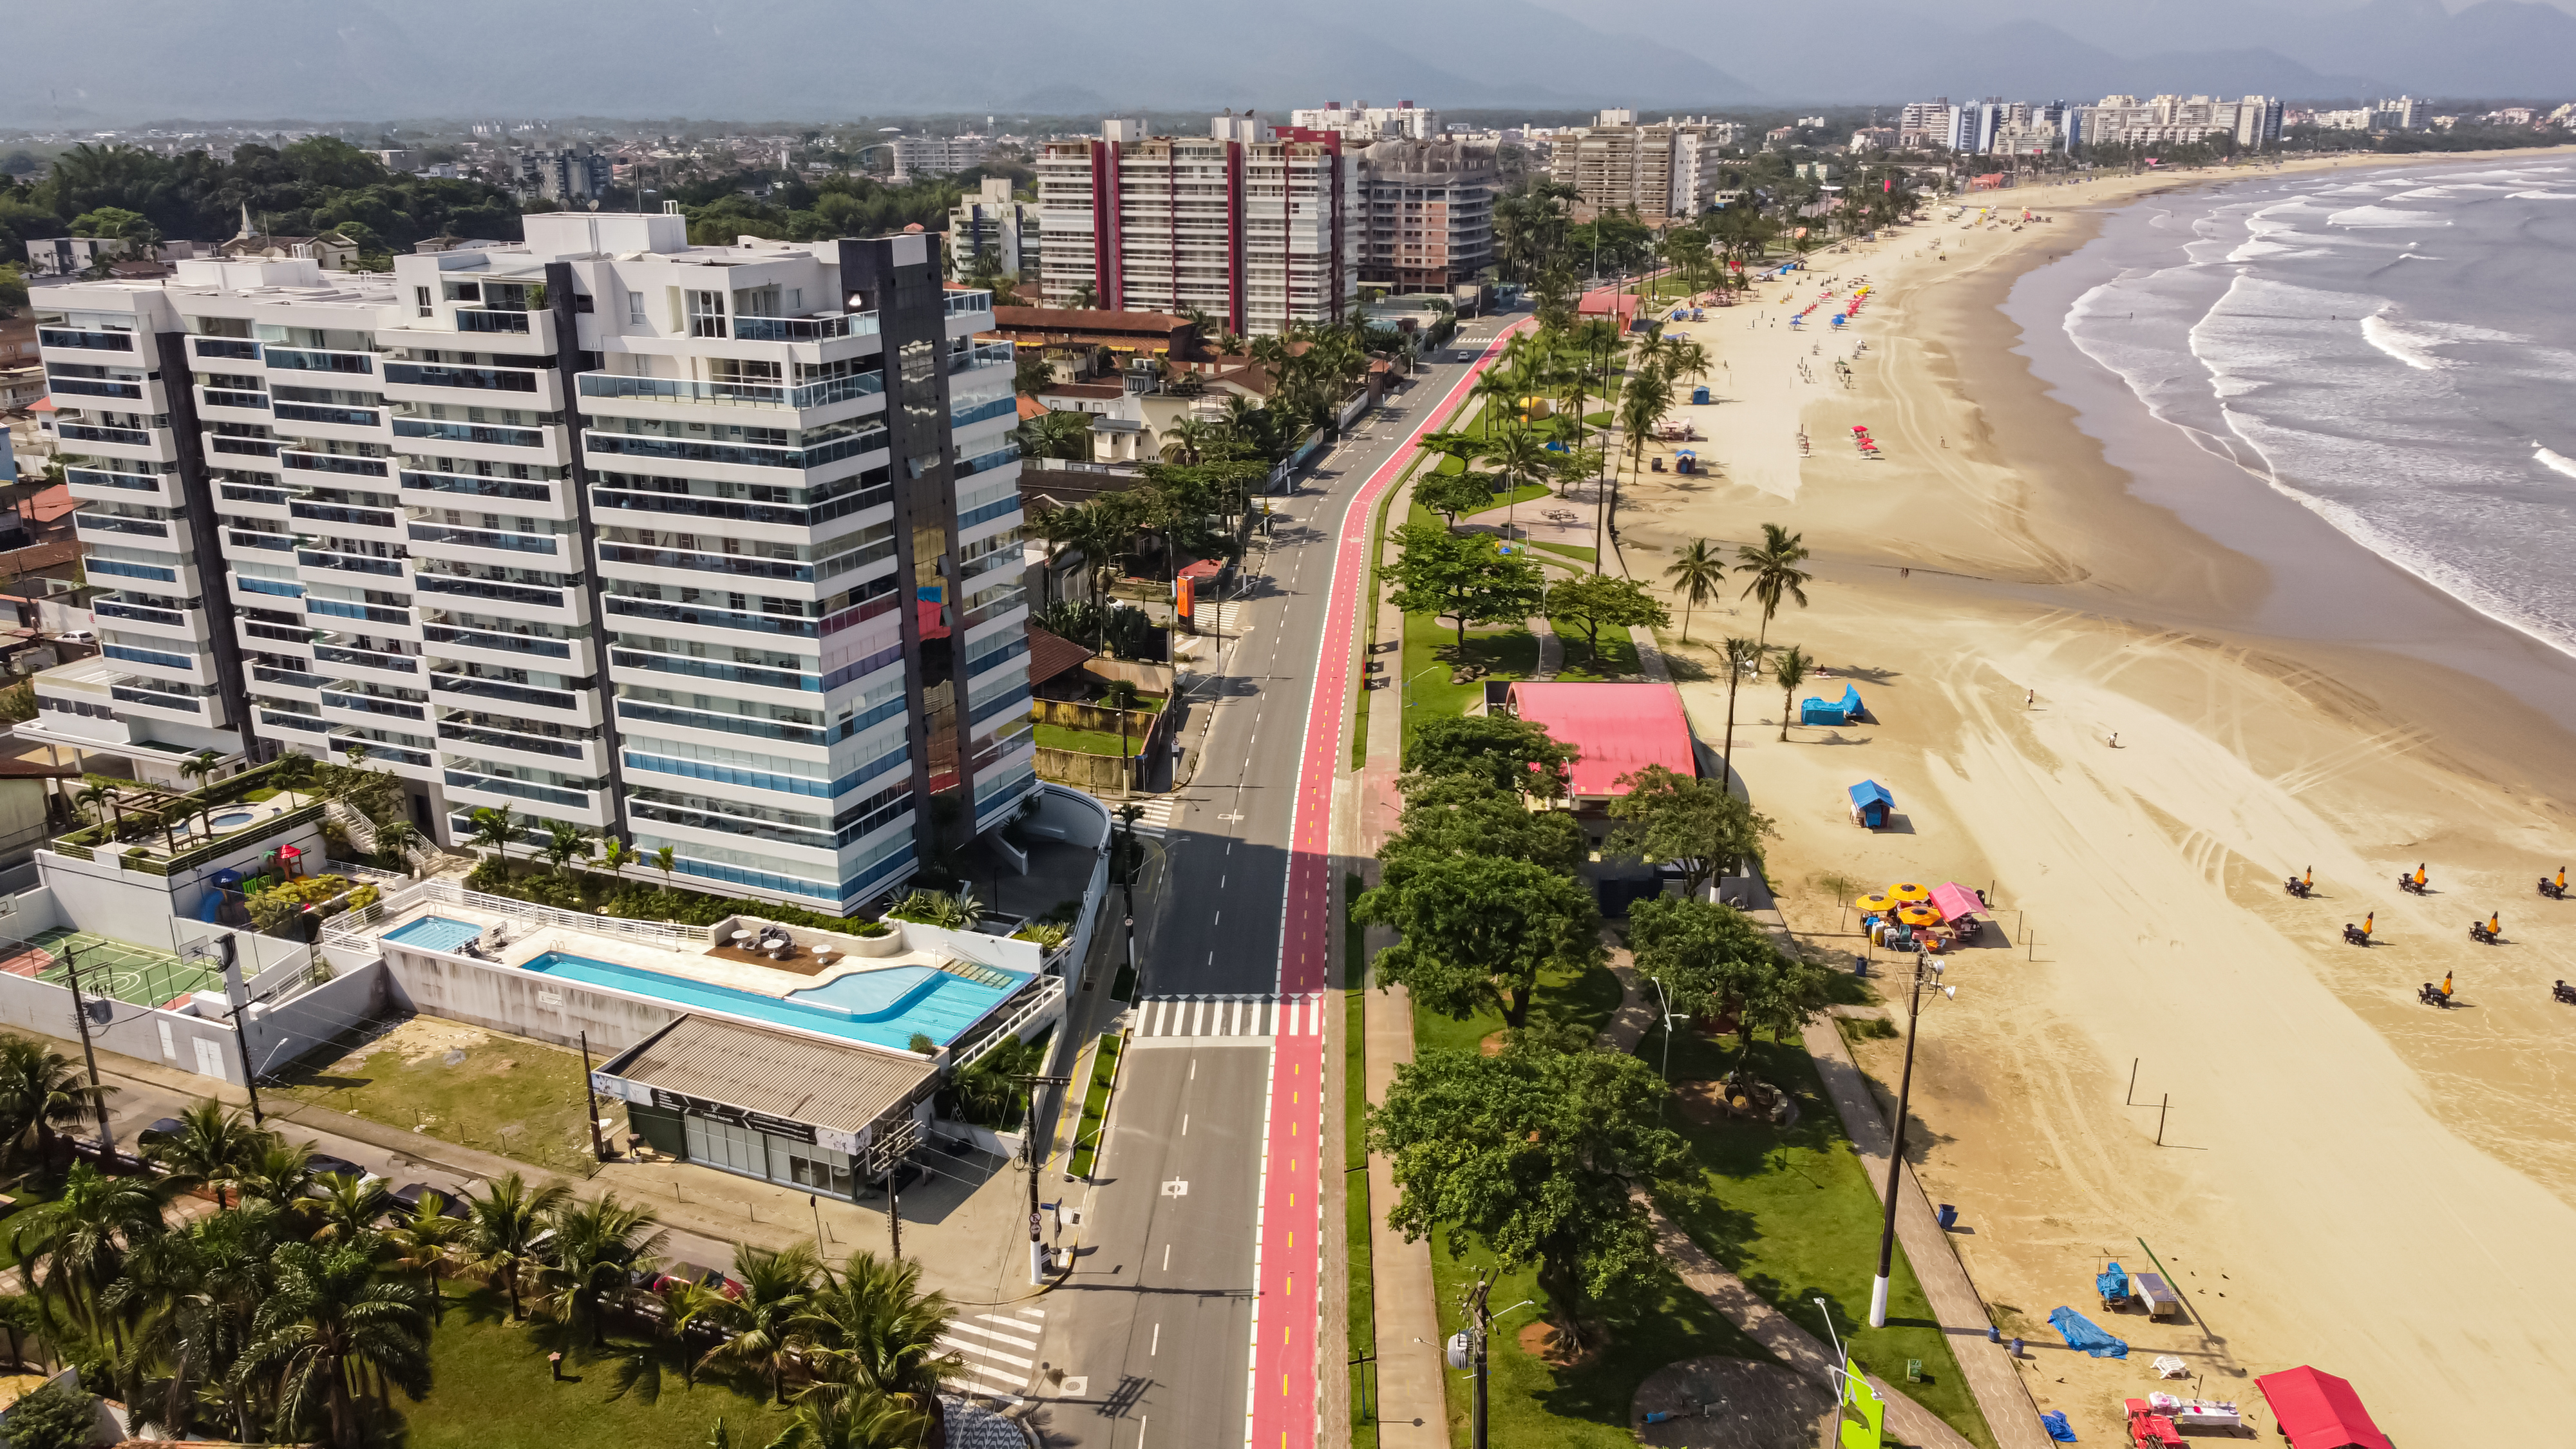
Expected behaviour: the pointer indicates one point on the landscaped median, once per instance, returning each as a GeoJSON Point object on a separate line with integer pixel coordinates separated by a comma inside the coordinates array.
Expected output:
{"type": "Point", "coordinates": [1095, 1103]}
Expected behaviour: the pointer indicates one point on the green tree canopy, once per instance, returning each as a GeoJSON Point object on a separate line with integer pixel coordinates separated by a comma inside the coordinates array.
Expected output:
{"type": "Point", "coordinates": [1514, 754]}
{"type": "Point", "coordinates": [1698, 825]}
{"type": "Point", "coordinates": [53, 1417]}
{"type": "Point", "coordinates": [1478, 930]}
{"type": "Point", "coordinates": [1447, 816]}
{"type": "Point", "coordinates": [1450, 494]}
{"type": "Point", "coordinates": [1713, 959]}
{"type": "Point", "coordinates": [1535, 1153]}
{"type": "Point", "coordinates": [1596, 601]}
{"type": "Point", "coordinates": [1463, 577]}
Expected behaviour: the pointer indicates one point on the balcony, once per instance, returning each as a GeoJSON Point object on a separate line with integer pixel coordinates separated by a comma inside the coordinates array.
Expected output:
{"type": "Point", "coordinates": [703, 617]}
{"type": "Point", "coordinates": [961, 303]}
{"type": "Point", "coordinates": [246, 447]}
{"type": "Point", "coordinates": [271, 717]}
{"type": "Point", "coordinates": [343, 694]}
{"type": "Point", "coordinates": [92, 433]}
{"type": "Point", "coordinates": [141, 614]}
{"type": "Point", "coordinates": [314, 558]}
{"type": "Point", "coordinates": [483, 433]}
{"type": "Point", "coordinates": [740, 394]}
{"type": "Point", "coordinates": [804, 329]}
{"type": "Point", "coordinates": [749, 455]}
{"type": "Point", "coordinates": [287, 678]}
{"type": "Point", "coordinates": [87, 521]}
{"type": "Point", "coordinates": [490, 319]}
{"type": "Point", "coordinates": [477, 379]}
{"type": "Point", "coordinates": [492, 639]}
{"type": "Point", "coordinates": [234, 348]}
{"type": "Point", "coordinates": [335, 416]}
{"type": "Point", "coordinates": [365, 659]}
{"type": "Point", "coordinates": [343, 609]}
{"type": "Point", "coordinates": [84, 340]}
{"type": "Point", "coordinates": [310, 511]}
{"type": "Point", "coordinates": [341, 463]}
{"type": "Point", "coordinates": [246, 538]}
{"type": "Point", "coordinates": [306, 359]}
{"type": "Point", "coordinates": [102, 478]}
{"type": "Point", "coordinates": [157, 658]}
{"type": "Point", "coordinates": [458, 779]}
{"type": "Point", "coordinates": [380, 751]}
{"type": "Point", "coordinates": [546, 544]}
{"type": "Point", "coordinates": [585, 749]}
{"type": "Point", "coordinates": [224, 397]}
{"type": "Point", "coordinates": [94, 387]}
{"type": "Point", "coordinates": [474, 686]}
{"type": "Point", "coordinates": [662, 558]}
{"type": "Point", "coordinates": [517, 490]}
{"type": "Point", "coordinates": [122, 569]}
{"type": "Point", "coordinates": [730, 724]}
{"type": "Point", "coordinates": [494, 589]}
{"type": "Point", "coordinates": [299, 636]}
{"type": "Point", "coordinates": [156, 699]}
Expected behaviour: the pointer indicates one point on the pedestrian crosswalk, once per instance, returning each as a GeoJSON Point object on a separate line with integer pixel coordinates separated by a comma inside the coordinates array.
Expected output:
{"type": "Point", "coordinates": [1000, 1349]}
{"type": "Point", "coordinates": [1157, 818]}
{"type": "Point", "coordinates": [1231, 619]}
{"type": "Point", "coordinates": [1192, 1018]}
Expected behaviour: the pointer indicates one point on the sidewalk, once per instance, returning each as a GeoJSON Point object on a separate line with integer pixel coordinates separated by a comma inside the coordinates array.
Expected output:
{"type": "Point", "coordinates": [1992, 1376]}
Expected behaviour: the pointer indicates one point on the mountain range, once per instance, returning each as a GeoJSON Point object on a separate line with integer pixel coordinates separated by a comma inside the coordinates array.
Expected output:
{"type": "Point", "coordinates": [360, 60]}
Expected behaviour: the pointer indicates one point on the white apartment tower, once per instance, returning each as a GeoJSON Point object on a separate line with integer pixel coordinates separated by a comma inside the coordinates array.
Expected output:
{"type": "Point", "coordinates": [1667, 169]}
{"type": "Point", "coordinates": [1256, 233]}
{"type": "Point", "coordinates": [715, 548]}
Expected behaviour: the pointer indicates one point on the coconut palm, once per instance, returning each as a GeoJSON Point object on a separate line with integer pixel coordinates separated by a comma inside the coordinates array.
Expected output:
{"type": "Point", "coordinates": [1698, 576]}
{"type": "Point", "coordinates": [1743, 656]}
{"type": "Point", "coordinates": [503, 1222]}
{"type": "Point", "coordinates": [281, 1176]}
{"type": "Point", "coordinates": [664, 859]}
{"type": "Point", "coordinates": [1188, 440]}
{"type": "Point", "coordinates": [858, 1422]}
{"type": "Point", "coordinates": [331, 1323]}
{"type": "Point", "coordinates": [290, 770]}
{"type": "Point", "coordinates": [875, 1332]}
{"type": "Point", "coordinates": [614, 854]}
{"type": "Point", "coordinates": [397, 838]}
{"type": "Point", "coordinates": [777, 1284]}
{"type": "Point", "coordinates": [565, 843]}
{"type": "Point", "coordinates": [75, 1245]}
{"type": "Point", "coordinates": [1774, 571]}
{"type": "Point", "coordinates": [351, 1206]}
{"type": "Point", "coordinates": [213, 1147]}
{"type": "Point", "coordinates": [596, 1245]}
{"type": "Point", "coordinates": [191, 1295]}
{"type": "Point", "coordinates": [200, 767]}
{"type": "Point", "coordinates": [40, 1093]}
{"type": "Point", "coordinates": [494, 829]}
{"type": "Point", "coordinates": [1789, 671]}
{"type": "Point", "coordinates": [424, 1242]}
{"type": "Point", "coordinates": [99, 798]}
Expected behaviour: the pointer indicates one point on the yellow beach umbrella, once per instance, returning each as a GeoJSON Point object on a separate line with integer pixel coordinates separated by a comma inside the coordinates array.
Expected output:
{"type": "Point", "coordinates": [1875, 904]}
{"type": "Point", "coordinates": [1906, 890]}
{"type": "Point", "coordinates": [1919, 916]}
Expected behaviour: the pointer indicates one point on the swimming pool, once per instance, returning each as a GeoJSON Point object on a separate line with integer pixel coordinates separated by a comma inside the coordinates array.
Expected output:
{"type": "Point", "coordinates": [435, 933]}
{"type": "Point", "coordinates": [889, 1013]}
{"type": "Point", "coordinates": [233, 819]}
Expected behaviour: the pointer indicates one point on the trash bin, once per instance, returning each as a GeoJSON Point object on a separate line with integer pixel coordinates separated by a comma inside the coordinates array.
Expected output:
{"type": "Point", "coordinates": [1949, 1217]}
{"type": "Point", "coordinates": [1860, 964]}
{"type": "Point", "coordinates": [2016, 1348]}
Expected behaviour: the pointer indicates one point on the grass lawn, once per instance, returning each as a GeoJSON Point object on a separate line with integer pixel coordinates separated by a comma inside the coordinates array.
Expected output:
{"type": "Point", "coordinates": [1355, 1215]}
{"type": "Point", "coordinates": [1569, 550]}
{"type": "Point", "coordinates": [1523, 494]}
{"type": "Point", "coordinates": [1088, 742]}
{"type": "Point", "coordinates": [1531, 1402]}
{"type": "Point", "coordinates": [505, 1094]}
{"type": "Point", "coordinates": [1618, 652]}
{"type": "Point", "coordinates": [490, 1390]}
{"type": "Point", "coordinates": [1431, 647]}
{"type": "Point", "coordinates": [1792, 1214]}
{"type": "Point", "coordinates": [1095, 1104]}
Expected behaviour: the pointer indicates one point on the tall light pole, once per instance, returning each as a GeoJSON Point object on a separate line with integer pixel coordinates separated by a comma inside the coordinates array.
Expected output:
{"type": "Point", "coordinates": [1926, 971]}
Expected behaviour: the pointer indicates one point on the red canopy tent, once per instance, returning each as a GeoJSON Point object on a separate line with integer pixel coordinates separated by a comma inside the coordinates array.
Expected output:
{"type": "Point", "coordinates": [2319, 1411]}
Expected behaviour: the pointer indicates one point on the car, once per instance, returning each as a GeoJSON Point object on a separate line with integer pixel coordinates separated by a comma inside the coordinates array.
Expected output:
{"type": "Point", "coordinates": [326, 1165]}
{"type": "Point", "coordinates": [451, 1199]}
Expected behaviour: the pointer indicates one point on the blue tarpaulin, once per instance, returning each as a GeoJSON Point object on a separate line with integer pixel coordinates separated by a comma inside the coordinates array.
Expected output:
{"type": "Point", "coordinates": [2080, 1332]}
{"type": "Point", "coordinates": [2112, 1283]}
{"type": "Point", "coordinates": [2054, 1421]}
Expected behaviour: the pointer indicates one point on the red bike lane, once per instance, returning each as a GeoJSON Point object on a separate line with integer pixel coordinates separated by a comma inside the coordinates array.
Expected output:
{"type": "Point", "coordinates": [1287, 1254]}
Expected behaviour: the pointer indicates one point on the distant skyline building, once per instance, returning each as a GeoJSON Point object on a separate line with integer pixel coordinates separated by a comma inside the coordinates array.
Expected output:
{"type": "Point", "coordinates": [939, 155]}
{"type": "Point", "coordinates": [1665, 169]}
{"type": "Point", "coordinates": [996, 224]}
{"type": "Point", "coordinates": [1359, 121]}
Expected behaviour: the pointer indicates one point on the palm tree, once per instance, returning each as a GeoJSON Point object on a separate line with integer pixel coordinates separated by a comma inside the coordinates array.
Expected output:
{"type": "Point", "coordinates": [351, 1206]}
{"type": "Point", "coordinates": [1187, 440]}
{"type": "Point", "coordinates": [396, 838]}
{"type": "Point", "coordinates": [200, 767]}
{"type": "Point", "coordinates": [40, 1092]}
{"type": "Point", "coordinates": [280, 1175]}
{"type": "Point", "coordinates": [1789, 671]}
{"type": "Point", "coordinates": [1743, 656]}
{"type": "Point", "coordinates": [99, 797]}
{"type": "Point", "coordinates": [213, 1147]}
{"type": "Point", "coordinates": [290, 770]}
{"type": "Point", "coordinates": [331, 1323]}
{"type": "Point", "coordinates": [776, 1286]}
{"type": "Point", "coordinates": [614, 854]}
{"type": "Point", "coordinates": [75, 1245]}
{"type": "Point", "coordinates": [1698, 576]}
{"type": "Point", "coordinates": [503, 1222]}
{"type": "Point", "coordinates": [596, 1245]}
{"type": "Point", "coordinates": [664, 858]}
{"type": "Point", "coordinates": [494, 829]}
{"type": "Point", "coordinates": [877, 1333]}
{"type": "Point", "coordinates": [425, 1242]}
{"type": "Point", "coordinates": [356, 752]}
{"type": "Point", "coordinates": [191, 1295]}
{"type": "Point", "coordinates": [861, 1422]}
{"type": "Point", "coordinates": [1775, 573]}
{"type": "Point", "coordinates": [566, 843]}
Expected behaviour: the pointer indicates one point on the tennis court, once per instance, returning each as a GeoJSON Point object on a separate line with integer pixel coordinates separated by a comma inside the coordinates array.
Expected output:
{"type": "Point", "coordinates": [137, 974]}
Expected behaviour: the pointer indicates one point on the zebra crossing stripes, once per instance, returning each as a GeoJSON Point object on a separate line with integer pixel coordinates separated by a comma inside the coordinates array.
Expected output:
{"type": "Point", "coordinates": [1157, 817]}
{"type": "Point", "coordinates": [999, 1349]}
{"type": "Point", "coordinates": [1200, 1018]}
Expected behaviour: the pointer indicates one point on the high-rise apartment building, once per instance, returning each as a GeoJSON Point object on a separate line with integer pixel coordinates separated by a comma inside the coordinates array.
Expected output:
{"type": "Point", "coordinates": [1257, 234]}
{"type": "Point", "coordinates": [564, 174]}
{"type": "Point", "coordinates": [1361, 121]}
{"type": "Point", "coordinates": [1666, 169]}
{"type": "Point", "coordinates": [1429, 213]}
{"type": "Point", "coordinates": [714, 548]}
{"type": "Point", "coordinates": [2171, 120]}
{"type": "Point", "coordinates": [994, 225]}
{"type": "Point", "coordinates": [939, 155]}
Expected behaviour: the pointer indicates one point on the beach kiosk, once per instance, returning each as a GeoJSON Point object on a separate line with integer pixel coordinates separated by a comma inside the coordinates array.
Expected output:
{"type": "Point", "coordinates": [1870, 804]}
{"type": "Point", "coordinates": [2319, 1411]}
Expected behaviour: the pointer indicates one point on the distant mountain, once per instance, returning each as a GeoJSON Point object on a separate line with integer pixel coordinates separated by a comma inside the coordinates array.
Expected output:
{"type": "Point", "coordinates": [819, 59]}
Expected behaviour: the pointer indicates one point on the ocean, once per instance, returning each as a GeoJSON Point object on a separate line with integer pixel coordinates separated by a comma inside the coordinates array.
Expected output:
{"type": "Point", "coordinates": [2392, 349]}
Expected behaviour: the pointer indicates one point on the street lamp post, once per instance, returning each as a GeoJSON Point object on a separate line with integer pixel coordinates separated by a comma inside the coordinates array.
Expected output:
{"type": "Point", "coordinates": [1925, 971]}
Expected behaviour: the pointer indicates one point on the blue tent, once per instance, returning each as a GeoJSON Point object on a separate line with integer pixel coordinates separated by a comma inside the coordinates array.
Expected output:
{"type": "Point", "coordinates": [1871, 802]}
{"type": "Point", "coordinates": [1814, 711]}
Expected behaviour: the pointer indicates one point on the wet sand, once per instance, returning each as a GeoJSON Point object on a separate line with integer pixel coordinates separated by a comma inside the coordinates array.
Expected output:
{"type": "Point", "coordinates": [2282, 700]}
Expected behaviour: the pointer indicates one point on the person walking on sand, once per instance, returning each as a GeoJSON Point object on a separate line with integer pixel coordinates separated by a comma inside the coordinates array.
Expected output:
{"type": "Point", "coordinates": [2030, 699]}
{"type": "Point", "coordinates": [2366, 920]}
{"type": "Point", "coordinates": [2446, 986]}
{"type": "Point", "coordinates": [2115, 739]}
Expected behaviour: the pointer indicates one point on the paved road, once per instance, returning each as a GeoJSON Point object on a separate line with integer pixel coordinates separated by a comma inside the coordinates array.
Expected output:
{"type": "Point", "coordinates": [1155, 1324]}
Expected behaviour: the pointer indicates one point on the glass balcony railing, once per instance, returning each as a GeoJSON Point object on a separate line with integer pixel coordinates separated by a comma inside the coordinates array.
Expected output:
{"type": "Point", "coordinates": [224, 397]}
{"type": "Point", "coordinates": [343, 609]}
{"type": "Point", "coordinates": [158, 658]}
{"type": "Point", "coordinates": [122, 569]}
{"type": "Point", "coordinates": [341, 697]}
{"type": "Point", "coordinates": [118, 609]}
{"type": "Point", "coordinates": [94, 387]}
{"type": "Point", "coordinates": [102, 478]}
{"type": "Point", "coordinates": [274, 718]}
{"type": "Point", "coordinates": [478, 687]}
{"type": "Point", "coordinates": [92, 433]}
{"type": "Point", "coordinates": [804, 329]}
{"type": "Point", "coordinates": [752, 455]}
{"type": "Point", "coordinates": [231, 347]}
{"type": "Point", "coordinates": [493, 639]}
{"type": "Point", "coordinates": [279, 588]}
{"type": "Point", "coordinates": [544, 543]}
{"type": "Point", "coordinates": [458, 732]}
{"type": "Point", "coordinates": [750, 394]}
{"type": "Point", "coordinates": [974, 301]}
{"type": "Point", "coordinates": [349, 562]}
{"type": "Point", "coordinates": [459, 584]}
{"type": "Point", "coordinates": [247, 447]}
{"type": "Point", "coordinates": [521, 789]}
{"type": "Point", "coordinates": [247, 538]}
{"type": "Point", "coordinates": [291, 678]}
{"type": "Point", "coordinates": [479, 379]}
{"type": "Point", "coordinates": [84, 339]}
{"type": "Point", "coordinates": [484, 319]}
{"type": "Point", "coordinates": [709, 618]}
{"type": "Point", "coordinates": [483, 433]}
{"type": "Point", "coordinates": [337, 417]}
{"type": "Point", "coordinates": [88, 522]}
{"type": "Point", "coordinates": [307, 359]}
{"type": "Point", "coordinates": [340, 513]}
{"type": "Point", "coordinates": [353, 466]}
{"type": "Point", "coordinates": [366, 658]}
{"type": "Point", "coordinates": [519, 489]}
{"type": "Point", "coordinates": [153, 698]}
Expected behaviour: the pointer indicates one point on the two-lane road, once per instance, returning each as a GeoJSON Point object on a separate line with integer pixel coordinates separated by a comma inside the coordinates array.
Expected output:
{"type": "Point", "coordinates": [1191, 1318]}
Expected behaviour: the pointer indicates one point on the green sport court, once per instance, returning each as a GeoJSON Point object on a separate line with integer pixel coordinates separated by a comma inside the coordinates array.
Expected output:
{"type": "Point", "coordinates": [140, 975]}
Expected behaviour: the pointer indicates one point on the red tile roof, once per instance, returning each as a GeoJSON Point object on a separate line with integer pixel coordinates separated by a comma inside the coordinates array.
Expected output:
{"type": "Point", "coordinates": [1620, 729]}
{"type": "Point", "coordinates": [1051, 655]}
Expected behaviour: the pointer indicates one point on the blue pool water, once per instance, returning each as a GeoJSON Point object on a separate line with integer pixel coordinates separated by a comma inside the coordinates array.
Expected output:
{"type": "Point", "coordinates": [435, 933]}
{"type": "Point", "coordinates": [882, 1008]}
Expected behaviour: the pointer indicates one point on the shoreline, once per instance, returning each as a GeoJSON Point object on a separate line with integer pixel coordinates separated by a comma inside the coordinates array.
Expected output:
{"type": "Point", "coordinates": [2278, 704]}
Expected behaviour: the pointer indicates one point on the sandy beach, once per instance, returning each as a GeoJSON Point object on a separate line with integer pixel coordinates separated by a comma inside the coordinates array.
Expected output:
{"type": "Point", "coordinates": [2350, 1179]}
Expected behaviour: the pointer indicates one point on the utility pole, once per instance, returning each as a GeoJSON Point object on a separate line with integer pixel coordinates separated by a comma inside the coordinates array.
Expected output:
{"type": "Point", "coordinates": [1031, 1154]}
{"type": "Point", "coordinates": [1925, 970]}
{"type": "Point", "coordinates": [241, 1023]}
{"type": "Point", "coordinates": [590, 1103]}
{"type": "Point", "coordinates": [1480, 1322]}
{"type": "Point", "coordinates": [894, 1219]}
{"type": "Point", "coordinates": [89, 1053]}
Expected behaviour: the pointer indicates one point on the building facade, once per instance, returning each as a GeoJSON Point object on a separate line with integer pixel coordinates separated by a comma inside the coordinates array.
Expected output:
{"type": "Point", "coordinates": [1360, 121]}
{"type": "Point", "coordinates": [2169, 120]}
{"type": "Point", "coordinates": [1256, 234]}
{"type": "Point", "coordinates": [1666, 169]}
{"type": "Point", "coordinates": [1428, 218]}
{"type": "Point", "coordinates": [939, 155]}
{"type": "Point", "coordinates": [998, 226]}
{"type": "Point", "coordinates": [564, 175]}
{"type": "Point", "coordinates": [712, 548]}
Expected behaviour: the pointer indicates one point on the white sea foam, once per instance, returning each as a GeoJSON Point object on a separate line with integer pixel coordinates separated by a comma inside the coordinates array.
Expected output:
{"type": "Point", "coordinates": [2385, 216]}
{"type": "Point", "coordinates": [2544, 196]}
{"type": "Point", "coordinates": [2398, 342]}
{"type": "Point", "coordinates": [2555, 462]}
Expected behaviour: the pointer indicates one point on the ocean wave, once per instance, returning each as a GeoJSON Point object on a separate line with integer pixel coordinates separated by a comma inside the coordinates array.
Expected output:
{"type": "Point", "coordinates": [2397, 342]}
{"type": "Point", "coordinates": [2555, 462]}
{"type": "Point", "coordinates": [2543, 196]}
{"type": "Point", "coordinates": [2385, 216]}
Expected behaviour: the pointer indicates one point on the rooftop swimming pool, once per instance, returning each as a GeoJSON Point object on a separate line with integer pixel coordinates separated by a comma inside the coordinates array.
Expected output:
{"type": "Point", "coordinates": [435, 933]}
{"type": "Point", "coordinates": [882, 1008]}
